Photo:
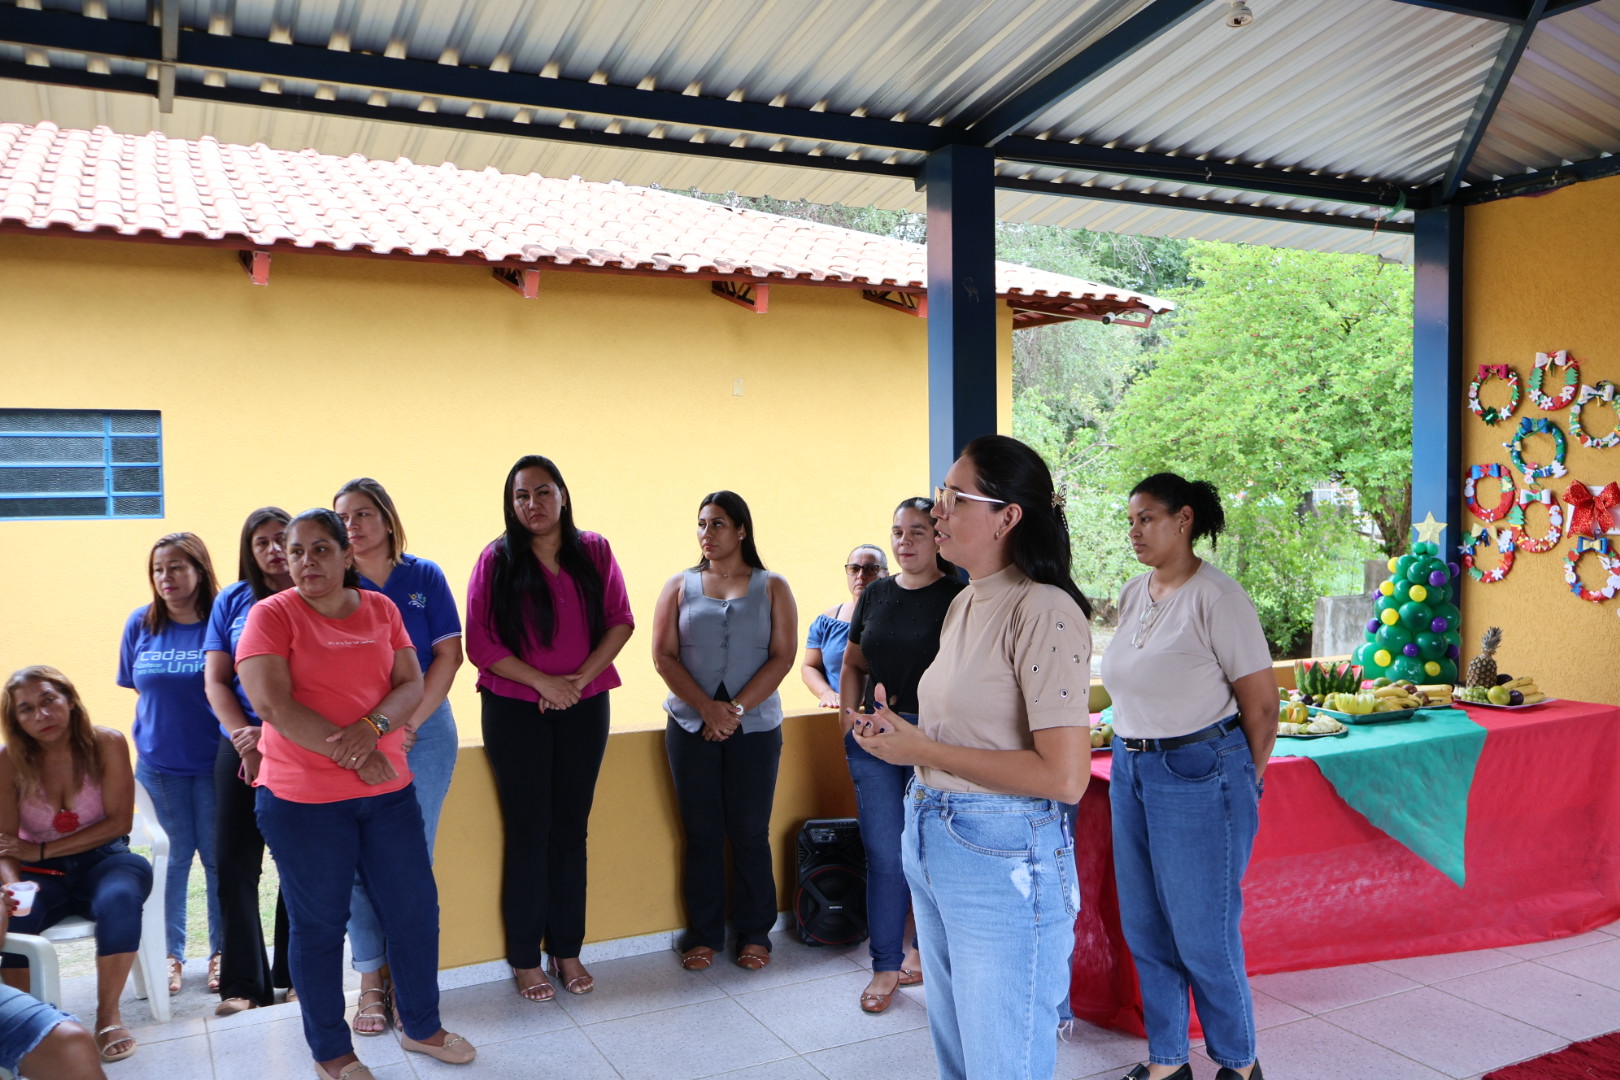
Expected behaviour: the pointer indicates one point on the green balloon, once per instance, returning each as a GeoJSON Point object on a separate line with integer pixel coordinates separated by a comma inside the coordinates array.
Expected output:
{"type": "Point", "coordinates": [1448, 670]}
{"type": "Point", "coordinates": [1415, 616]}
{"type": "Point", "coordinates": [1385, 602]}
{"type": "Point", "coordinates": [1403, 591]}
{"type": "Point", "coordinates": [1431, 646]}
{"type": "Point", "coordinates": [1407, 667]}
{"type": "Point", "coordinates": [1393, 638]}
{"type": "Point", "coordinates": [1403, 564]}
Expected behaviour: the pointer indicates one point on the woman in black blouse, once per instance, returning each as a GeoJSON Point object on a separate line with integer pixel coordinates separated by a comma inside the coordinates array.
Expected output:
{"type": "Point", "coordinates": [894, 634]}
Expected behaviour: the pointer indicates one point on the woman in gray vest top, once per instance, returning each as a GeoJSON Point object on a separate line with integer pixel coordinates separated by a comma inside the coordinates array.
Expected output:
{"type": "Point", "coordinates": [724, 637]}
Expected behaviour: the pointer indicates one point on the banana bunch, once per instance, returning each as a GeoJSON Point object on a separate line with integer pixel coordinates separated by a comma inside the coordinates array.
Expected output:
{"type": "Point", "coordinates": [1396, 696]}
{"type": "Point", "coordinates": [1526, 685]}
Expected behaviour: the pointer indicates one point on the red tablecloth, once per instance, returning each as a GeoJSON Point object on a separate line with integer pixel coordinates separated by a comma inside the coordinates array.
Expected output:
{"type": "Point", "coordinates": [1326, 888]}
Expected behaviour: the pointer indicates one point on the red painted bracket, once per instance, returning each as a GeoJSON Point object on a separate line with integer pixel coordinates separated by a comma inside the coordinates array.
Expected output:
{"type": "Point", "coordinates": [525, 282]}
{"type": "Point", "coordinates": [257, 265]}
{"type": "Point", "coordinates": [753, 296]}
{"type": "Point", "coordinates": [910, 303]}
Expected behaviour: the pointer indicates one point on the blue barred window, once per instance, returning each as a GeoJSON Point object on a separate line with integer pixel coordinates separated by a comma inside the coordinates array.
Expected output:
{"type": "Point", "coordinates": [80, 463]}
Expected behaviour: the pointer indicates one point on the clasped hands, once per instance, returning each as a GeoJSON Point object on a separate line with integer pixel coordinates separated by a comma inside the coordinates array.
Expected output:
{"type": "Point", "coordinates": [559, 691]}
{"type": "Point", "coordinates": [355, 747]}
{"type": "Point", "coordinates": [884, 737]}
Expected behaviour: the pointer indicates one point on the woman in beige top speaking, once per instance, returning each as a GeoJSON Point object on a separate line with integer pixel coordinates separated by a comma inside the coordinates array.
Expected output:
{"type": "Point", "coordinates": [1195, 717]}
{"type": "Point", "coordinates": [1001, 741]}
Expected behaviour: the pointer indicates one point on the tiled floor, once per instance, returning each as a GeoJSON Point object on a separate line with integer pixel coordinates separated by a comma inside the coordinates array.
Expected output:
{"type": "Point", "coordinates": [1449, 1017]}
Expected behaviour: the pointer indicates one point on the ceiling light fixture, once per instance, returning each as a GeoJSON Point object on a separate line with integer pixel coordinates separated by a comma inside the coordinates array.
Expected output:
{"type": "Point", "coordinates": [1240, 15]}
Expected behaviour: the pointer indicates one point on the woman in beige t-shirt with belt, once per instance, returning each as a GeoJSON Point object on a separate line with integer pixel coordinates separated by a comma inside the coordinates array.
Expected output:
{"type": "Point", "coordinates": [1002, 739]}
{"type": "Point", "coordinates": [1195, 718]}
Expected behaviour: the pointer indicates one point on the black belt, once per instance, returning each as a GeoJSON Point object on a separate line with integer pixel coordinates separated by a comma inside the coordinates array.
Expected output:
{"type": "Point", "coordinates": [1214, 731]}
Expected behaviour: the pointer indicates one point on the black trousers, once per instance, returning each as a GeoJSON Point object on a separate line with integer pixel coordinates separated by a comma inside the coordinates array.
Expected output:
{"type": "Point", "coordinates": [239, 863]}
{"type": "Point", "coordinates": [725, 791]}
{"type": "Point", "coordinates": [545, 766]}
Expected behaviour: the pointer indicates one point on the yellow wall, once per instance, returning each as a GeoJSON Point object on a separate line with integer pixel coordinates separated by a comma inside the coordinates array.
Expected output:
{"type": "Point", "coordinates": [1540, 274]}
{"type": "Point", "coordinates": [433, 379]}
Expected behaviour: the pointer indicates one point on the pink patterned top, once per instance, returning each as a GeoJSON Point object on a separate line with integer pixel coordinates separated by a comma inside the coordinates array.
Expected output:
{"type": "Point", "coordinates": [37, 818]}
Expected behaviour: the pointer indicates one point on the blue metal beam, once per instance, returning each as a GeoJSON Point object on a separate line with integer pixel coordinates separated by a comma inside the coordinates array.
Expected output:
{"type": "Point", "coordinates": [1068, 77]}
{"type": "Point", "coordinates": [1508, 11]}
{"type": "Point", "coordinates": [1496, 83]}
{"type": "Point", "coordinates": [73, 33]}
{"type": "Point", "coordinates": [1542, 180]}
{"type": "Point", "coordinates": [962, 308]}
{"type": "Point", "coordinates": [1197, 206]}
{"type": "Point", "coordinates": [1437, 375]}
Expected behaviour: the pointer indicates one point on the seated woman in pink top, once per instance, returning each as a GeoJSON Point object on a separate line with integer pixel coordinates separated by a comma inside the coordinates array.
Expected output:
{"type": "Point", "coordinates": [67, 799]}
{"type": "Point", "coordinates": [333, 674]}
{"type": "Point", "coordinates": [546, 614]}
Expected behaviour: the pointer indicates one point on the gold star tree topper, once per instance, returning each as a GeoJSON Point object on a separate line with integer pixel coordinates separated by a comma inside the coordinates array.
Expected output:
{"type": "Point", "coordinates": [1429, 530]}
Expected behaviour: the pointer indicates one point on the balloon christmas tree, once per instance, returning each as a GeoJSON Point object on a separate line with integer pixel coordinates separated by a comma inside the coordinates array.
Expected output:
{"type": "Point", "coordinates": [1416, 629]}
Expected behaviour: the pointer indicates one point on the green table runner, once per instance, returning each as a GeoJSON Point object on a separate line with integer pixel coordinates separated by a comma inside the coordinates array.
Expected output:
{"type": "Point", "coordinates": [1409, 778]}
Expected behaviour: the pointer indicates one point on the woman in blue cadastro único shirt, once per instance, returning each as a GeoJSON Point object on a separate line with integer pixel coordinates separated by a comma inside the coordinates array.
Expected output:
{"type": "Point", "coordinates": [161, 659]}
{"type": "Point", "coordinates": [829, 632]}
{"type": "Point", "coordinates": [418, 588]}
{"type": "Point", "coordinates": [246, 979]}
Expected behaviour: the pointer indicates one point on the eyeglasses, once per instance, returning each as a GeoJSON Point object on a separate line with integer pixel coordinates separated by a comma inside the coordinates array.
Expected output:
{"type": "Point", "coordinates": [945, 499]}
{"type": "Point", "coordinates": [1145, 623]}
{"type": "Point", "coordinates": [863, 569]}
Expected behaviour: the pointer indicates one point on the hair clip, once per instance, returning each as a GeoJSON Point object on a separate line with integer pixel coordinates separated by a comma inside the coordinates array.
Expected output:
{"type": "Point", "coordinates": [1059, 499]}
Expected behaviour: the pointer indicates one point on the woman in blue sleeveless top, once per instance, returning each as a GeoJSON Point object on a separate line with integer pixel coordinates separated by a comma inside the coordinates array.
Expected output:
{"type": "Point", "coordinates": [724, 637]}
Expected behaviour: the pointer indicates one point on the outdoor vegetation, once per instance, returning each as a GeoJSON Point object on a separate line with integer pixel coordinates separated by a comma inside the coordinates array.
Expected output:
{"type": "Point", "coordinates": [1284, 377]}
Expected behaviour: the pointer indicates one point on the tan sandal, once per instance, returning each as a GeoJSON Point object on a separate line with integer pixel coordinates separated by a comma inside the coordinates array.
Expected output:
{"type": "Point", "coordinates": [176, 969]}
{"type": "Point", "coordinates": [579, 984]}
{"type": "Point", "coordinates": [453, 1051]}
{"type": "Point", "coordinates": [105, 1048]}
{"type": "Point", "coordinates": [374, 1014]}
{"type": "Point", "coordinates": [538, 991]}
{"type": "Point", "coordinates": [213, 974]}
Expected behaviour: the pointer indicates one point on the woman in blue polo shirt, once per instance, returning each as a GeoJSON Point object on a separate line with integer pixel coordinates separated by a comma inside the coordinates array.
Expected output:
{"type": "Point", "coordinates": [246, 979]}
{"type": "Point", "coordinates": [417, 587]}
{"type": "Point", "coordinates": [161, 659]}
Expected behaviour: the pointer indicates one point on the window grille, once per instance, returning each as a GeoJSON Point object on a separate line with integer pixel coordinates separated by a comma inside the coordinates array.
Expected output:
{"type": "Point", "coordinates": [80, 463]}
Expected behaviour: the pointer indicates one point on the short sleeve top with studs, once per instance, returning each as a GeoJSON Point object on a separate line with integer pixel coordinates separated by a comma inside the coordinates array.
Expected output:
{"type": "Point", "coordinates": [1204, 636]}
{"type": "Point", "coordinates": [1014, 658]}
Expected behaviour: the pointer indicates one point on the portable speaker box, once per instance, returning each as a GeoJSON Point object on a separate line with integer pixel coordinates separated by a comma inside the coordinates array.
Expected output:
{"type": "Point", "coordinates": [829, 906]}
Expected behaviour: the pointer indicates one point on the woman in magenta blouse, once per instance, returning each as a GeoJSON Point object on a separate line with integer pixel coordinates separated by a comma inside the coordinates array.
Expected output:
{"type": "Point", "coordinates": [547, 613]}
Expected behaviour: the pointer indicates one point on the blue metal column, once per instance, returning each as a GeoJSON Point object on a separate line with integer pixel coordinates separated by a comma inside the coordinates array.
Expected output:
{"type": "Point", "coordinates": [1437, 374]}
{"type": "Point", "coordinates": [962, 385]}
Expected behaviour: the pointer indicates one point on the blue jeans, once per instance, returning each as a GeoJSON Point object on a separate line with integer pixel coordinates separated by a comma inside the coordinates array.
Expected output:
{"type": "Point", "coordinates": [994, 890]}
{"type": "Point", "coordinates": [108, 885]}
{"type": "Point", "coordinates": [1184, 824]}
{"type": "Point", "coordinates": [24, 1023]}
{"type": "Point", "coordinates": [185, 809]}
{"type": "Point", "coordinates": [318, 847]}
{"type": "Point", "coordinates": [432, 760]}
{"type": "Point", "coordinates": [880, 798]}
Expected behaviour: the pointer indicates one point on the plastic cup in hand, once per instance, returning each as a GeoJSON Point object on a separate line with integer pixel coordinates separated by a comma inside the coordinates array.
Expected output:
{"type": "Point", "coordinates": [23, 892]}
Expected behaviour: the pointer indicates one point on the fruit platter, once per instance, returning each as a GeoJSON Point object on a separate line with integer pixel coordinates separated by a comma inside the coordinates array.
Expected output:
{"type": "Point", "coordinates": [1495, 689]}
{"type": "Point", "coordinates": [1308, 725]}
{"type": "Point", "coordinates": [1339, 692]}
{"type": "Point", "coordinates": [1102, 737]}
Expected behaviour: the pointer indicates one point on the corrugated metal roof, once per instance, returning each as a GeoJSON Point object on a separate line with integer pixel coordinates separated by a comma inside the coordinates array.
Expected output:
{"type": "Point", "coordinates": [1323, 88]}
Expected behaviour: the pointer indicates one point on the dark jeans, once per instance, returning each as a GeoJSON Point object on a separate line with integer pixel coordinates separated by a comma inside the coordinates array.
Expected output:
{"type": "Point", "coordinates": [319, 847]}
{"type": "Point", "coordinates": [545, 766]}
{"type": "Point", "coordinates": [880, 799]}
{"type": "Point", "coordinates": [238, 864]}
{"type": "Point", "coordinates": [725, 791]}
{"type": "Point", "coordinates": [108, 884]}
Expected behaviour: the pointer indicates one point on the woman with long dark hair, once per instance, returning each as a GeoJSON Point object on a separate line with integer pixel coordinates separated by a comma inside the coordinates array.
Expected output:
{"type": "Point", "coordinates": [418, 589]}
{"type": "Point", "coordinates": [1189, 754]}
{"type": "Point", "coordinates": [547, 613]}
{"type": "Point", "coordinates": [67, 799]}
{"type": "Point", "coordinates": [723, 640]}
{"type": "Point", "coordinates": [332, 671]}
{"type": "Point", "coordinates": [893, 637]}
{"type": "Point", "coordinates": [247, 979]}
{"type": "Point", "coordinates": [176, 733]}
{"type": "Point", "coordinates": [1001, 743]}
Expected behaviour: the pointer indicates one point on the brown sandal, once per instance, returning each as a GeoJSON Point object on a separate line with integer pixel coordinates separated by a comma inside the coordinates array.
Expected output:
{"type": "Point", "coordinates": [910, 978]}
{"type": "Point", "coordinates": [753, 957]}
{"type": "Point", "coordinates": [698, 958]}
{"type": "Point", "coordinates": [176, 969]}
{"type": "Point", "coordinates": [213, 974]}
{"type": "Point", "coordinates": [105, 1047]}
{"type": "Point", "coordinates": [876, 1003]}
{"type": "Point", "coordinates": [375, 1014]}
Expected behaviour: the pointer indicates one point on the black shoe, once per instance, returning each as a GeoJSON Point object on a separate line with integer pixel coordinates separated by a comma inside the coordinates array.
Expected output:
{"type": "Point", "coordinates": [1233, 1074]}
{"type": "Point", "coordinates": [1140, 1072]}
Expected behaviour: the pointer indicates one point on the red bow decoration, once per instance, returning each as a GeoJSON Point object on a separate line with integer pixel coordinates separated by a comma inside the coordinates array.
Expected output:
{"type": "Point", "coordinates": [1591, 515]}
{"type": "Point", "coordinates": [65, 822]}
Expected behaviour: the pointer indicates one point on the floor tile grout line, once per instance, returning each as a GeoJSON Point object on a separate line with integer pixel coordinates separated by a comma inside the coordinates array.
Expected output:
{"type": "Point", "coordinates": [1499, 1012]}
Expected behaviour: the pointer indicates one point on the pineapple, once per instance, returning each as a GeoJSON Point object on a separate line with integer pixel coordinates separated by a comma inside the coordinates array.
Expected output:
{"type": "Point", "coordinates": [1482, 668]}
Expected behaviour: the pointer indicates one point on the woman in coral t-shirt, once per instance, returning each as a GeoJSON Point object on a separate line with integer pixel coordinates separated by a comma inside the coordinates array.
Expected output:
{"type": "Point", "coordinates": [332, 672]}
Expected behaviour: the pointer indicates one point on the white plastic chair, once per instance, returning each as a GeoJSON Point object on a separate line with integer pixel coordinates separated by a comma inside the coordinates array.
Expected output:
{"type": "Point", "coordinates": [151, 971]}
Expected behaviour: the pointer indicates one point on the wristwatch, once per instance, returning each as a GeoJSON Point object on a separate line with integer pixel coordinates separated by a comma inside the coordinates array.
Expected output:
{"type": "Point", "coordinates": [735, 704]}
{"type": "Point", "coordinates": [378, 721]}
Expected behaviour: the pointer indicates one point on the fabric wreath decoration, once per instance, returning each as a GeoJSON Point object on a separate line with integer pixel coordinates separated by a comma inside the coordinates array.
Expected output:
{"type": "Point", "coordinates": [1591, 514]}
{"type": "Point", "coordinates": [1476, 473]}
{"type": "Point", "coordinates": [1504, 545]}
{"type": "Point", "coordinates": [1555, 520]}
{"type": "Point", "coordinates": [1603, 391]}
{"type": "Point", "coordinates": [1538, 426]}
{"type": "Point", "coordinates": [1492, 415]}
{"type": "Point", "coordinates": [1610, 564]}
{"type": "Point", "coordinates": [1572, 380]}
